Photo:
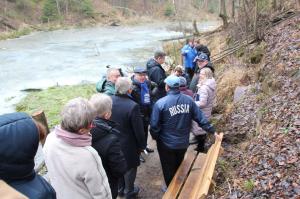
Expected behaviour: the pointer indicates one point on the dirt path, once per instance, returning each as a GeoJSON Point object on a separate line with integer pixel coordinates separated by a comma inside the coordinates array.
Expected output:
{"type": "Point", "coordinates": [149, 176]}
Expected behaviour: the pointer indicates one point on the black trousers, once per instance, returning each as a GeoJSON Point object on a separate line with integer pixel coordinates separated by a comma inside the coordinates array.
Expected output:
{"type": "Point", "coordinates": [190, 72]}
{"type": "Point", "coordinates": [170, 160]}
{"type": "Point", "coordinates": [126, 183]}
{"type": "Point", "coordinates": [200, 143]}
{"type": "Point", "coordinates": [146, 125]}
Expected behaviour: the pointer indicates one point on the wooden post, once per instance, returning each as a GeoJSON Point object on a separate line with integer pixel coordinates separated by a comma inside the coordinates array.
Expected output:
{"type": "Point", "coordinates": [40, 117]}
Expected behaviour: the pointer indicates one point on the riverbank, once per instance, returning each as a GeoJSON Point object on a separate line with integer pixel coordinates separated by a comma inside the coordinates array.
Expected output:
{"type": "Point", "coordinates": [23, 17]}
{"type": "Point", "coordinates": [52, 100]}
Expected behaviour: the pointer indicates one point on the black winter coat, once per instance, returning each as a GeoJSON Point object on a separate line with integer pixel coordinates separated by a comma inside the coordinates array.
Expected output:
{"type": "Point", "coordinates": [203, 49]}
{"type": "Point", "coordinates": [19, 141]}
{"type": "Point", "coordinates": [127, 114]}
{"type": "Point", "coordinates": [105, 140]}
{"type": "Point", "coordinates": [157, 74]}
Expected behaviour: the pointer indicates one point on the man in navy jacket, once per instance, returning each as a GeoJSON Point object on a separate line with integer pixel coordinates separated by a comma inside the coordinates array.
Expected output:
{"type": "Point", "coordinates": [170, 126]}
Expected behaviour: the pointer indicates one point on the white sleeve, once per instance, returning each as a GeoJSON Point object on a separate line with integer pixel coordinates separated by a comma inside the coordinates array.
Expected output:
{"type": "Point", "coordinates": [95, 177]}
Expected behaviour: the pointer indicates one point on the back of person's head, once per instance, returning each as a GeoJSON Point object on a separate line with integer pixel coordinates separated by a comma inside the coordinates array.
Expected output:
{"type": "Point", "coordinates": [159, 54]}
{"type": "Point", "coordinates": [77, 114]}
{"type": "Point", "coordinates": [123, 85]}
{"type": "Point", "coordinates": [178, 69]}
{"type": "Point", "coordinates": [102, 104]}
{"type": "Point", "coordinates": [182, 81]}
{"type": "Point", "coordinates": [189, 40]}
{"type": "Point", "coordinates": [206, 73]}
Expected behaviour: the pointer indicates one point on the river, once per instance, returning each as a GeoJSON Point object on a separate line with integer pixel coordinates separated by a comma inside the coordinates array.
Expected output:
{"type": "Point", "coordinates": [68, 57]}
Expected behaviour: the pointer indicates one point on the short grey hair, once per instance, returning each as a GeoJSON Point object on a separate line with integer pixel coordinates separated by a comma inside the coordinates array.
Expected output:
{"type": "Point", "coordinates": [123, 85]}
{"type": "Point", "coordinates": [102, 104]}
{"type": "Point", "coordinates": [77, 114]}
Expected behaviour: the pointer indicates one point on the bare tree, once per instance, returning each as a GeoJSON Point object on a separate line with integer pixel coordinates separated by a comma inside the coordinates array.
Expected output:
{"type": "Point", "coordinates": [232, 9]}
{"type": "Point", "coordinates": [223, 13]}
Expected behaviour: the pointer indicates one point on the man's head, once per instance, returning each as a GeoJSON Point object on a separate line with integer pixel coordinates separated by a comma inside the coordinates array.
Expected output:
{"type": "Point", "coordinates": [172, 82]}
{"type": "Point", "coordinates": [140, 74]}
{"type": "Point", "coordinates": [202, 60]}
{"type": "Point", "coordinates": [197, 42]}
{"type": "Point", "coordinates": [178, 71]}
{"type": "Point", "coordinates": [113, 74]}
{"type": "Point", "coordinates": [160, 56]}
{"type": "Point", "coordinates": [182, 82]}
{"type": "Point", "coordinates": [123, 86]}
{"type": "Point", "coordinates": [190, 41]}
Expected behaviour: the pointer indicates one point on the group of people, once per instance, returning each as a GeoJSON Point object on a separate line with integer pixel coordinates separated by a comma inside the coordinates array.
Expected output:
{"type": "Point", "coordinates": [96, 149]}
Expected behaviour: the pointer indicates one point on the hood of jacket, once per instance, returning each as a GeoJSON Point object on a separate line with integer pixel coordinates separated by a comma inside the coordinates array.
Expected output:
{"type": "Point", "coordinates": [105, 86]}
{"type": "Point", "coordinates": [210, 83]}
{"type": "Point", "coordinates": [19, 140]}
{"type": "Point", "coordinates": [152, 63]}
{"type": "Point", "coordinates": [103, 127]}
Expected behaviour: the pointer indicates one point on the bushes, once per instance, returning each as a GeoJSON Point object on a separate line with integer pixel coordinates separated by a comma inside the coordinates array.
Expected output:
{"type": "Point", "coordinates": [52, 9]}
{"type": "Point", "coordinates": [169, 10]}
{"type": "Point", "coordinates": [50, 12]}
{"type": "Point", "coordinates": [24, 5]}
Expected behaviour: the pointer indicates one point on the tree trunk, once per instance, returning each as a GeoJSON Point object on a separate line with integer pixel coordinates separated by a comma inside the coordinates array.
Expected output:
{"type": "Point", "coordinates": [205, 5]}
{"type": "Point", "coordinates": [58, 7]}
{"type": "Point", "coordinates": [233, 9]}
{"type": "Point", "coordinates": [196, 31]}
{"type": "Point", "coordinates": [255, 20]}
{"type": "Point", "coordinates": [41, 117]}
{"type": "Point", "coordinates": [274, 4]}
{"type": "Point", "coordinates": [223, 13]}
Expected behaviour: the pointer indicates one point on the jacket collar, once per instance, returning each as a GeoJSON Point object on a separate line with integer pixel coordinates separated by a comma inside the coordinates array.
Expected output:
{"type": "Point", "coordinates": [174, 91]}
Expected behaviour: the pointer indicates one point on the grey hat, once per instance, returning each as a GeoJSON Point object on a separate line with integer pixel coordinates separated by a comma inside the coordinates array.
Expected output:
{"type": "Point", "coordinates": [182, 81]}
{"type": "Point", "coordinates": [172, 81]}
{"type": "Point", "coordinates": [140, 69]}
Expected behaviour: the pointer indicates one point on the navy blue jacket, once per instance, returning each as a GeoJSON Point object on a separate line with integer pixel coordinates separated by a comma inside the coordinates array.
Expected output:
{"type": "Point", "coordinates": [171, 120]}
{"type": "Point", "coordinates": [157, 74]}
{"type": "Point", "coordinates": [19, 140]}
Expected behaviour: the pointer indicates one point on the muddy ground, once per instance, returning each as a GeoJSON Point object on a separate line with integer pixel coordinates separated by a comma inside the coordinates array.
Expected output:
{"type": "Point", "coordinates": [149, 177]}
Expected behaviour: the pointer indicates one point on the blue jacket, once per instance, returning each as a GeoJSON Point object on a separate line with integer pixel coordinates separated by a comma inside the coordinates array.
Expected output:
{"type": "Point", "coordinates": [172, 117]}
{"type": "Point", "coordinates": [189, 54]}
{"type": "Point", "coordinates": [19, 140]}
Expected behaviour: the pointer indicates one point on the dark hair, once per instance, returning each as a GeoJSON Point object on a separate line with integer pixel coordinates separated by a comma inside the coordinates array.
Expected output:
{"type": "Point", "coordinates": [159, 54]}
{"type": "Point", "coordinates": [41, 129]}
{"type": "Point", "coordinates": [188, 40]}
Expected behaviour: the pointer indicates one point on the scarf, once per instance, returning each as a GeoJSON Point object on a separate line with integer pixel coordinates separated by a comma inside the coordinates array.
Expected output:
{"type": "Point", "coordinates": [73, 139]}
{"type": "Point", "coordinates": [145, 95]}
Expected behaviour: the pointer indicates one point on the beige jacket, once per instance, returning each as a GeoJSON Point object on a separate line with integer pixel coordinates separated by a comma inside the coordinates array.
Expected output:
{"type": "Point", "coordinates": [207, 94]}
{"type": "Point", "coordinates": [75, 172]}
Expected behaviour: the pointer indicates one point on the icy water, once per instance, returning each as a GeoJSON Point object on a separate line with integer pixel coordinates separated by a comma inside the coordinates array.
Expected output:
{"type": "Point", "coordinates": [68, 57]}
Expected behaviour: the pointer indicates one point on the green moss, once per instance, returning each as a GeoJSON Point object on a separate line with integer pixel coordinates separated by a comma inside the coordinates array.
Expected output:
{"type": "Point", "coordinates": [53, 99]}
{"type": "Point", "coordinates": [249, 185]}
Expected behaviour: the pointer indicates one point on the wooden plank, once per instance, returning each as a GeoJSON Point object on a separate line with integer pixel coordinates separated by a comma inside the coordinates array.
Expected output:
{"type": "Point", "coordinates": [197, 183]}
{"type": "Point", "coordinates": [209, 170]}
{"type": "Point", "coordinates": [7, 192]}
{"type": "Point", "coordinates": [180, 176]}
{"type": "Point", "coordinates": [193, 176]}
